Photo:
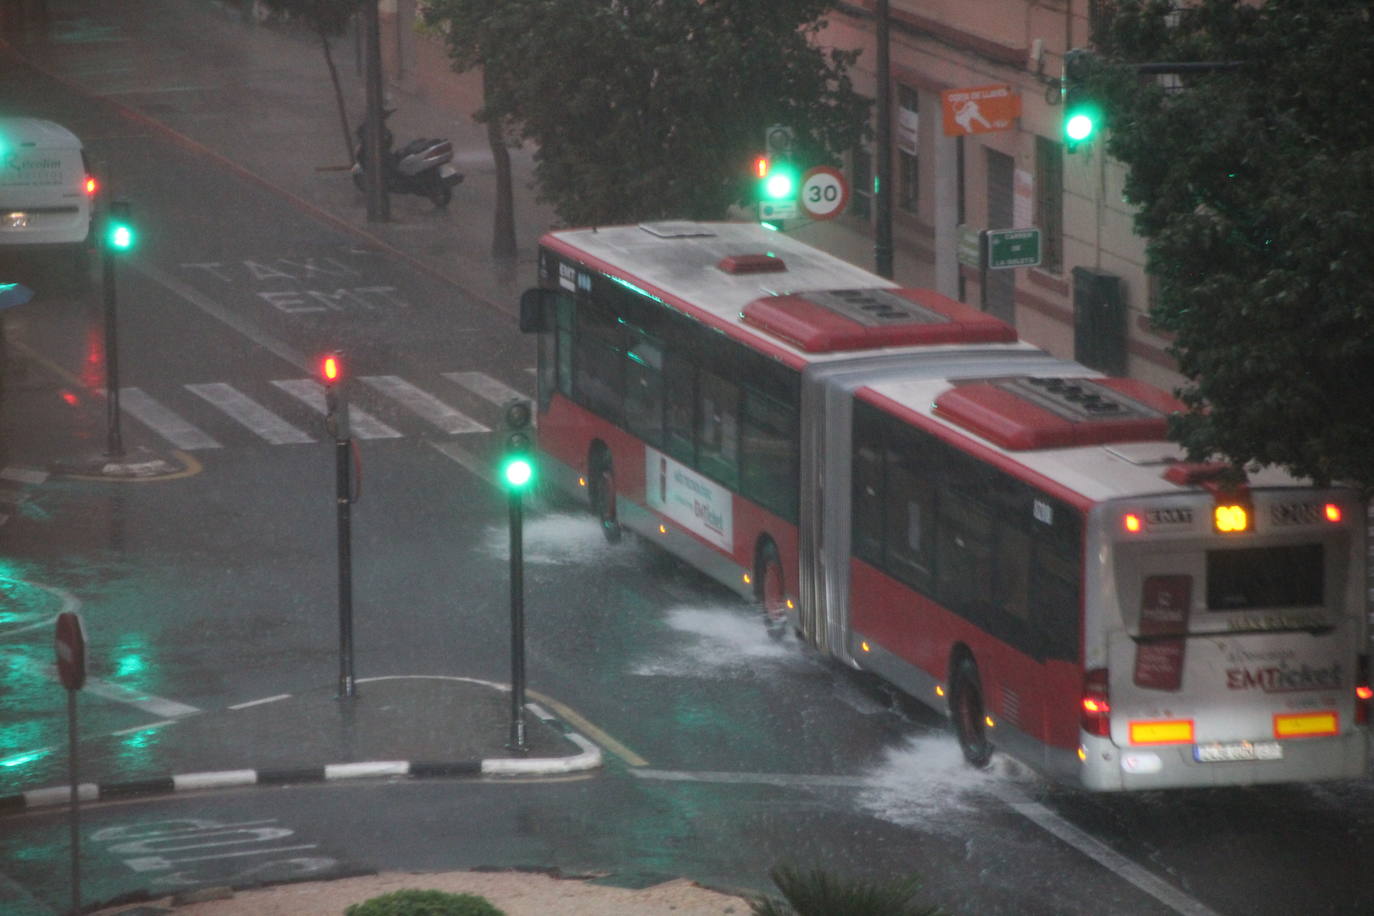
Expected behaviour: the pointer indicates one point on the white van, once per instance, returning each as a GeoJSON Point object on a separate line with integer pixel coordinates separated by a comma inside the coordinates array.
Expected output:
{"type": "Point", "coordinates": [46, 188]}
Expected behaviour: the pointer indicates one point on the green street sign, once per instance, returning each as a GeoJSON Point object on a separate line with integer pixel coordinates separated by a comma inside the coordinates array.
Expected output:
{"type": "Point", "coordinates": [1013, 248]}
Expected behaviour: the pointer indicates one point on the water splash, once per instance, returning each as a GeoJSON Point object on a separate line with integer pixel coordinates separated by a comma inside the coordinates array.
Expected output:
{"type": "Point", "coordinates": [925, 781]}
{"type": "Point", "coordinates": [723, 641]}
{"type": "Point", "coordinates": [563, 539]}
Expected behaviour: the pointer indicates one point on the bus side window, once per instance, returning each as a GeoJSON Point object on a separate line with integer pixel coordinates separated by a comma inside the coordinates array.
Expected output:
{"type": "Point", "coordinates": [910, 507]}
{"type": "Point", "coordinates": [718, 436]}
{"type": "Point", "coordinates": [868, 498]}
{"type": "Point", "coordinates": [564, 335]}
{"type": "Point", "coordinates": [965, 546]}
{"type": "Point", "coordinates": [644, 388]}
{"type": "Point", "coordinates": [680, 397]}
{"type": "Point", "coordinates": [768, 465]}
{"type": "Point", "coordinates": [598, 367]}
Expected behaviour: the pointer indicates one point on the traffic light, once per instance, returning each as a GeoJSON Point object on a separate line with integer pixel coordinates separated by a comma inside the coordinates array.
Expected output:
{"type": "Point", "coordinates": [516, 444]}
{"type": "Point", "coordinates": [1082, 114]}
{"type": "Point", "coordinates": [331, 369]}
{"type": "Point", "coordinates": [777, 180]}
{"type": "Point", "coordinates": [119, 229]}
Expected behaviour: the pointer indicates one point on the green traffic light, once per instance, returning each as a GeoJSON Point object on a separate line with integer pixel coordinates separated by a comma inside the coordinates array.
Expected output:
{"type": "Point", "coordinates": [517, 472]}
{"type": "Point", "coordinates": [778, 186]}
{"type": "Point", "coordinates": [121, 236]}
{"type": "Point", "coordinates": [1079, 127]}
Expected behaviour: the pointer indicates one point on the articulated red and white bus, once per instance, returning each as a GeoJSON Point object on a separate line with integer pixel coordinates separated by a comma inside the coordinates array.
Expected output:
{"type": "Point", "coordinates": [1004, 535]}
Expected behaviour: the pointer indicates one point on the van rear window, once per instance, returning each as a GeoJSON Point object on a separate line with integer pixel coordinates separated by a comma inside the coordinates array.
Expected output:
{"type": "Point", "coordinates": [1265, 577]}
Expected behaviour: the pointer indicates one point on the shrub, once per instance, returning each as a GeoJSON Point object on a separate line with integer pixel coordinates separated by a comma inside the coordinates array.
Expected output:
{"type": "Point", "coordinates": [424, 903]}
{"type": "Point", "coordinates": [816, 892]}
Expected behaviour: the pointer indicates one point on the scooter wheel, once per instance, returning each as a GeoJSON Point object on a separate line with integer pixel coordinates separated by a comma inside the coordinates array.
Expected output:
{"type": "Point", "coordinates": [441, 194]}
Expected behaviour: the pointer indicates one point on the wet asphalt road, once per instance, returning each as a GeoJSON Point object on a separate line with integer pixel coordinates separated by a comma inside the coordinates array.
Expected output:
{"type": "Point", "coordinates": [727, 752]}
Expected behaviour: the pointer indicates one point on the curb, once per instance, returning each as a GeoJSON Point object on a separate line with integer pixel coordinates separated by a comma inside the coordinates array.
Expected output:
{"type": "Point", "coordinates": [52, 796]}
{"type": "Point", "coordinates": [55, 795]}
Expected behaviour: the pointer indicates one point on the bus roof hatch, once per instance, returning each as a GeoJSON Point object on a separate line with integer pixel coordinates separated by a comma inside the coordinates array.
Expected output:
{"type": "Point", "coordinates": [1030, 413]}
{"type": "Point", "coordinates": [827, 321]}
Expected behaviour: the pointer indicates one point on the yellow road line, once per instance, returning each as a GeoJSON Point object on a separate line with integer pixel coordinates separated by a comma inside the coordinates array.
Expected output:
{"type": "Point", "coordinates": [591, 731]}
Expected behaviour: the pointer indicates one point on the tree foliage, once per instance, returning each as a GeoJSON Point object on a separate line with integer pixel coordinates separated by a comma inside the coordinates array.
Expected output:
{"type": "Point", "coordinates": [645, 109]}
{"type": "Point", "coordinates": [327, 17]}
{"type": "Point", "coordinates": [1255, 189]}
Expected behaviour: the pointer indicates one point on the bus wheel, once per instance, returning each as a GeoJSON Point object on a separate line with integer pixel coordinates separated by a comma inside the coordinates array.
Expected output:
{"type": "Point", "coordinates": [601, 484]}
{"type": "Point", "coordinates": [967, 713]}
{"type": "Point", "coordinates": [770, 591]}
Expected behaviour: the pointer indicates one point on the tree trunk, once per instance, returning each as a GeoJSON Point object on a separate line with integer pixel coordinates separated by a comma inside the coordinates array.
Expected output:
{"type": "Point", "coordinates": [338, 96]}
{"type": "Point", "coordinates": [503, 219]}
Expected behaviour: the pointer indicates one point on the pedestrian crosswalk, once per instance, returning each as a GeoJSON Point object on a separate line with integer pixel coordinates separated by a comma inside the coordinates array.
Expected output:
{"type": "Point", "coordinates": [210, 415]}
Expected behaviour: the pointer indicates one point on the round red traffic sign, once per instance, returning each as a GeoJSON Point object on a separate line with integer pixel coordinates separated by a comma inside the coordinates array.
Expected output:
{"type": "Point", "coordinates": [824, 192]}
{"type": "Point", "coordinates": [71, 650]}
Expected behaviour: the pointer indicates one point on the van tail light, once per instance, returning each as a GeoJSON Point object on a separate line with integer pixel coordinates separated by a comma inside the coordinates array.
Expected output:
{"type": "Point", "coordinates": [91, 186]}
{"type": "Point", "coordinates": [1363, 692]}
{"type": "Point", "coordinates": [1096, 708]}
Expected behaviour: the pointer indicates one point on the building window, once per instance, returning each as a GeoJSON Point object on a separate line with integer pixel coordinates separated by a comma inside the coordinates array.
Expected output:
{"type": "Point", "coordinates": [908, 138]}
{"type": "Point", "coordinates": [1049, 203]}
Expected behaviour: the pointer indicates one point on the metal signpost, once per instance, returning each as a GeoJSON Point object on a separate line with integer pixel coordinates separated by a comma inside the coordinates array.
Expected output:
{"type": "Point", "coordinates": [997, 249]}
{"type": "Point", "coordinates": [336, 422]}
{"type": "Point", "coordinates": [71, 670]}
{"type": "Point", "coordinates": [516, 474]}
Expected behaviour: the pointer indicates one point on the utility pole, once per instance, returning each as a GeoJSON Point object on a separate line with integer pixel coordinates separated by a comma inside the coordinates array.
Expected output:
{"type": "Point", "coordinates": [882, 231]}
{"type": "Point", "coordinates": [378, 203]}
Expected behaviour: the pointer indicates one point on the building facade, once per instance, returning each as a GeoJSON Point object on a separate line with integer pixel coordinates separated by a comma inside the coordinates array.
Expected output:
{"type": "Point", "coordinates": [953, 167]}
{"type": "Point", "coordinates": [957, 170]}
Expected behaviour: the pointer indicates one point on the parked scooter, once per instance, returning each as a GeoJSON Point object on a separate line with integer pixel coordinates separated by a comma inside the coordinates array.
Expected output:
{"type": "Point", "coordinates": [420, 167]}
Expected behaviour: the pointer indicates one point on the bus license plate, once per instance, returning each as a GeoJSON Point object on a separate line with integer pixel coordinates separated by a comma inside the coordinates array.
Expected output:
{"type": "Point", "coordinates": [1237, 750]}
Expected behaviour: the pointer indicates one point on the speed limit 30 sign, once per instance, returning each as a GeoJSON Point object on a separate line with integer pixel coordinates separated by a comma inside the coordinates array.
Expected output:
{"type": "Point", "coordinates": [824, 192]}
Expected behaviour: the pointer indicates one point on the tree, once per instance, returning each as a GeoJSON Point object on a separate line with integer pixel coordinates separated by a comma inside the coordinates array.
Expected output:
{"type": "Point", "coordinates": [492, 35]}
{"type": "Point", "coordinates": [647, 109]}
{"type": "Point", "coordinates": [328, 19]}
{"type": "Point", "coordinates": [1255, 193]}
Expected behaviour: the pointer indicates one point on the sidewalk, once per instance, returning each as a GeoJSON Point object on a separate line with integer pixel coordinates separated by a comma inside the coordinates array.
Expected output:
{"type": "Point", "coordinates": [395, 727]}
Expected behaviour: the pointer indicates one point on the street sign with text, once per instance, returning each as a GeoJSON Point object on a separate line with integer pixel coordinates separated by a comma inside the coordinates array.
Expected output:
{"type": "Point", "coordinates": [1013, 248]}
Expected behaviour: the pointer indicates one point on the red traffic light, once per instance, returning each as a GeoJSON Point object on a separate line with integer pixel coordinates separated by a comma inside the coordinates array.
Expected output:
{"type": "Point", "coordinates": [762, 165]}
{"type": "Point", "coordinates": [331, 368]}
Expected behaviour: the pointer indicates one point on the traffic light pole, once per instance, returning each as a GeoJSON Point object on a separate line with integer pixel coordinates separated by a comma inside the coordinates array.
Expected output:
{"type": "Point", "coordinates": [114, 444]}
{"type": "Point", "coordinates": [517, 622]}
{"type": "Point", "coordinates": [337, 408]}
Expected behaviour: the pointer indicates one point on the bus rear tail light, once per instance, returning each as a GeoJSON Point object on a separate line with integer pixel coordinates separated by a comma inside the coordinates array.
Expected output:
{"type": "Point", "coordinates": [1363, 692]}
{"type": "Point", "coordinates": [1096, 708]}
{"type": "Point", "coordinates": [1332, 512]}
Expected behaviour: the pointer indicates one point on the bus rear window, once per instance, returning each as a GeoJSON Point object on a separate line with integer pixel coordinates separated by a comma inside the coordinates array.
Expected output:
{"type": "Point", "coordinates": [1265, 577]}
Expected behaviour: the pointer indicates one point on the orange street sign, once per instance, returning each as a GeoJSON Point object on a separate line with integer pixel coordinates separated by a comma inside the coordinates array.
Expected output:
{"type": "Point", "coordinates": [979, 109]}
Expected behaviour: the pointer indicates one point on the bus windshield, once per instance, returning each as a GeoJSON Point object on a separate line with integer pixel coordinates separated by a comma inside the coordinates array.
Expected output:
{"type": "Point", "coordinates": [1254, 578]}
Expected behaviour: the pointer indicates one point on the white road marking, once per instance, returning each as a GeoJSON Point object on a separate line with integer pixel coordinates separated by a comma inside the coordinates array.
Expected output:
{"type": "Point", "coordinates": [361, 423]}
{"type": "Point", "coordinates": [424, 405]}
{"type": "Point", "coordinates": [467, 459]}
{"type": "Point", "coordinates": [158, 706]}
{"type": "Point", "coordinates": [257, 418]}
{"type": "Point", "coordinates": [28, 476]}
{"type": "Point", "coordinates": [484, 386]}
{"type": "Point", "coordinates": [220, 313]}
{"type": "Point", "coordinates": [1036, 813]}
{"type": "Point", "coordinates": [264, 700]}
{"type": "Point", "coordinates": [1104, 855]}
{"type": "Point", "coordinates": [767, 779]}
{"type": "Point", "coordinates": [167, 424]}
